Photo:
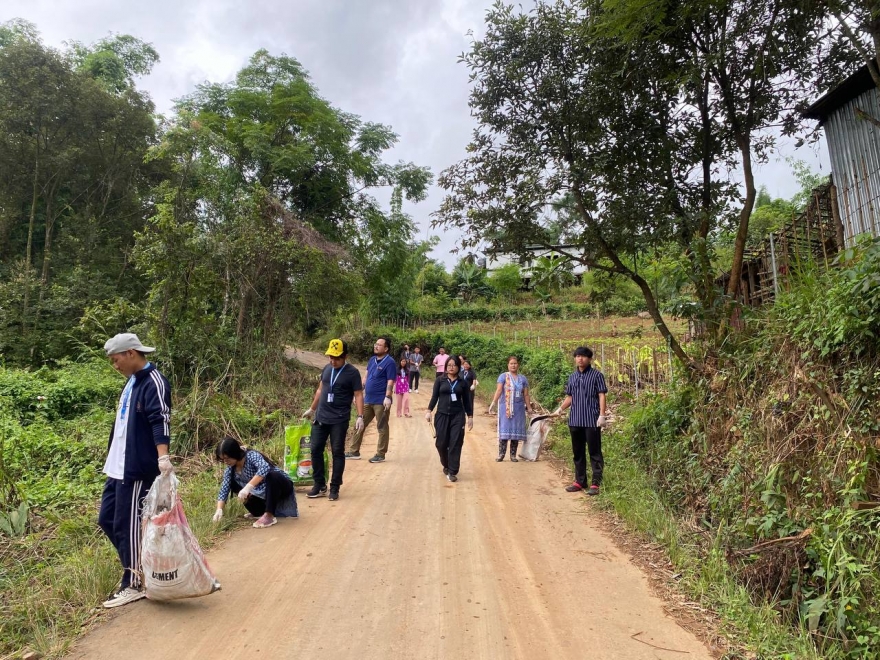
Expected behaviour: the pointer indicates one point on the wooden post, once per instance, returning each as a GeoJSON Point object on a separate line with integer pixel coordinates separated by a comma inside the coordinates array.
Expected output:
{"type": "Point", "coordinates": [636, 371]}
{"type": "Point", "coordinates": [835, 219]}
{"type": "Point", "coordinates": [656, 379]}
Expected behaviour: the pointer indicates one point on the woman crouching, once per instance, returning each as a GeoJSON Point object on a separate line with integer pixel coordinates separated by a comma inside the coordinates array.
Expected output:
{"type": "Point", "coordinates": [263, 487]}
{"type": "Point", "coordinates": [453, 402]}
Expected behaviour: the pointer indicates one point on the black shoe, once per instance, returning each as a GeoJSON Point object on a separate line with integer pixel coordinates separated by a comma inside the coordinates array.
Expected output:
{"type": "Point", "coordinates": [334, 494]}
{"type": "Point", "coordinates": [499, 459]}
{"type": "Point", "coordinates": [352, 456]}
{"type": "Point", "coordinates": [514, 459]}
{"type": "Point", "coordinates": [317, 491]}
{"type": "Point", "coordinates": [451, 477]}
{"type": "Point", "coordinates": [593, 490]}
{"type": "Point", "coordinates": [445, 470]}
{"type": "Point", "coordinates": [378, 458]}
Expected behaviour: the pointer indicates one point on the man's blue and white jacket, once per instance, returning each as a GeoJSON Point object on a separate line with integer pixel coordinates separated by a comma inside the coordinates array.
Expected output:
{"type": "Point", "coordinates": [150, 425]}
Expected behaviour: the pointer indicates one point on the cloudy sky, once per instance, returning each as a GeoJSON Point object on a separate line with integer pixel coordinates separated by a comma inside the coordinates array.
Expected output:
{"type": "Point", "coordinates": [389, 61]}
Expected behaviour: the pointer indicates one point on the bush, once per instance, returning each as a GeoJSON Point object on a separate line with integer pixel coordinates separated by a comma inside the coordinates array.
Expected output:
{"type": "Point", "coordinates": [781, 440]}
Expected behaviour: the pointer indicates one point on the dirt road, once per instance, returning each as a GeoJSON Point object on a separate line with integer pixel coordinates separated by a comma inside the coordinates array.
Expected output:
{"type": "Point", "coordinates": [502, 564]}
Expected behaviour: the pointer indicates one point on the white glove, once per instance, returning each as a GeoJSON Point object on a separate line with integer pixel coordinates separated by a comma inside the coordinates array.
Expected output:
{"type": "Point", "coordinates": [558, 411]}
{"type": "Point", "coordinates": [245, 492]}
{"type": "Point", "coordinates": [387, 403]}
{"type": "Point", "coordinates": [601, 422]}
{"type": "Point", "coordinates": [470, 424]}
{"type": "Point", "coordinates": [165, 466]}
{"type": "Point", "coordinates": [473, 387]}
{"type": "Point", "coordinates": [308, 414]}
{"type": "Point", "coordinates": [428, 416]}
{"type": "Point", "coordinates": [359, 424]}
{"type": "Point", "coordinates": [218, 514]}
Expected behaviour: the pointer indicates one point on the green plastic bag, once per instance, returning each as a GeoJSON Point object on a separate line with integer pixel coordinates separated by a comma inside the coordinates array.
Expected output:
{"type": "Point", "coordinates": [298, 454]}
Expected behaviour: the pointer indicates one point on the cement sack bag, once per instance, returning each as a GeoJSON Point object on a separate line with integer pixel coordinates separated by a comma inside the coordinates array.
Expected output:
{"type": "Point", "coordinates": [173, 563]}
{"type": "Point", "coordinates": [539, 429]}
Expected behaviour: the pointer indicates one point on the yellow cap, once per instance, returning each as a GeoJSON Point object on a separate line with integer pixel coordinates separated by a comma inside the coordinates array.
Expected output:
{"type": "Point", "coordinates": [337, 348]}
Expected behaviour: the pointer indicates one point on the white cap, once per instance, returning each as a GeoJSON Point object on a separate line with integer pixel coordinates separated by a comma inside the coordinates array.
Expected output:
{"type": "Point", "coordinates": [126, 341]}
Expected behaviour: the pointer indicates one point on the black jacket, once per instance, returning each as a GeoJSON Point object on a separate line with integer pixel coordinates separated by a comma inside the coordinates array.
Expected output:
{"type": "Point", "coordinates": [442, 399]}
{"type": "Point", "coordinates": [150, 425]}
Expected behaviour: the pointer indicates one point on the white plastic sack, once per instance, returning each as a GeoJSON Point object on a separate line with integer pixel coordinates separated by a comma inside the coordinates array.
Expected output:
{"type": "Point", "coordinates": [173, 563]}
{"type": "Point", "coordinates": [539, 429]}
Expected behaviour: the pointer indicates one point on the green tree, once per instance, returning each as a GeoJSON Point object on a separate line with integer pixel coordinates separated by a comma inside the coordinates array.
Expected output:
{"type": "Point", "coordinates": [470, 280]}
{"type": "Point", "coordinates": [72, 174]}
{"type": "Point", "coordinates": [266, 227]}
{"type": "Point", "coordinates": [506, 280]}
{"type": "Point", "coordinates": [634, 113]}
{"type": "Point", "coordinates": [433, 279]}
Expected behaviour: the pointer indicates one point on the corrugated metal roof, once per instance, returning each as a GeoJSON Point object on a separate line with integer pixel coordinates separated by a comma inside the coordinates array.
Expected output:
{"type": "Point", "coordinates": [854, 86]}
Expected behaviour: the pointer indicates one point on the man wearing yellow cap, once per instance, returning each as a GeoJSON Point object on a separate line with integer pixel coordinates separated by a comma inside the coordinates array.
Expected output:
{"type": "Point", "coordinates": [330, 413]}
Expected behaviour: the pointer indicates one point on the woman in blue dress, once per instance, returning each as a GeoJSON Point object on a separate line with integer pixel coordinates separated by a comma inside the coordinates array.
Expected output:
{"type": "Point", "coordinates": [512, 397]}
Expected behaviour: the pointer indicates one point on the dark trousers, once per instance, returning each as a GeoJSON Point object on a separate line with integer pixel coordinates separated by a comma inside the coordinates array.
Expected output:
{"type": "Point", "coordinates": [278, 488]}
{"type": "Point", "coordinates": [450, 440]}
{"type": "Point", "coordinates": [120, 518]}
{"type": "Point", "coordinates": [585, 439]}
{"type": "Point", "coordinates": [414, 380]}
{"type": "Point", "coordinates": [336, 434]}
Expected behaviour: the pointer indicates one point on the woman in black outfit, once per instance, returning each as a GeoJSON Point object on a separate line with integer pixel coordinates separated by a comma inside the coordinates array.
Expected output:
{"type": "Point", "coordinates": [453, 402]}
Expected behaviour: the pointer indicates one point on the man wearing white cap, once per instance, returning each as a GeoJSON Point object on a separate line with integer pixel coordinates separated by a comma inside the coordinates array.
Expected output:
{"type": "Point", "coordinates": [137, 454]}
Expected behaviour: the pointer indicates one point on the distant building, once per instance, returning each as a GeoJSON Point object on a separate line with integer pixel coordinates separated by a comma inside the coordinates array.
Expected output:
{"type": "Point", "coordinates": [850, 115]}
{"type": "Point", "coordinates": [533, 252]}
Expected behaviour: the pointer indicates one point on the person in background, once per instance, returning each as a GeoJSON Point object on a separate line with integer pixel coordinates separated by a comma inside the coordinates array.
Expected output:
{"type": "Point", "coordinates": [378, 388]}
{"type": "Point", "coordinates": [513, 393]}
{"type": "Point", "coordinates": [453, 405]}
{"type": "Point", "coordinates": [469, 376]}
{"type": "Point", "coordinates": [585, 394]}
{"type": "Point", "coordinates": [137, 454]}
{"type": "Point", "coordinates": [440, 362]}
{"type": "Point", "coordinates": [401, 387]}
{"type": "Point", "coordinates": [415, 369]}
{"type": "Point", "coordinates": [265, 489]}
{"type": "Point", "coordinates": [406, 353]}
{"type": "Point", "coordinates": [330, 413]}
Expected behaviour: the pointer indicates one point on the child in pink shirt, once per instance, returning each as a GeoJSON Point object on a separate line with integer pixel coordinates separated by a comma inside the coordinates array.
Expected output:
{"type": "Point", "coordinates": [401, 387]}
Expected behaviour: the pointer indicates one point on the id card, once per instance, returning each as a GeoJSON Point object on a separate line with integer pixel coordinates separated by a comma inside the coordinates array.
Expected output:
{"type": "Point", "coordinates": [519, 394]}
{"type": "Point", "coordinates": [453, 397]}
{"type": "Point", "coordinates": [329, 397]}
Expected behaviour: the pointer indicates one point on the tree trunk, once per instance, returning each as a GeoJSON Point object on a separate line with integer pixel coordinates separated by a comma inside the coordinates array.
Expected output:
{"type": "Point", "coordinates": [643, 285]}
{"type": "Point", "coordinates": [30, 244]}
{"type": "Point", "coordinates": [744, 144]}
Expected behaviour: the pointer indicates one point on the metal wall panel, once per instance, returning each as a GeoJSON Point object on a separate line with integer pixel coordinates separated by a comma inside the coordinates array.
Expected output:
{"type": "Point", "coordinates": [854, 146]}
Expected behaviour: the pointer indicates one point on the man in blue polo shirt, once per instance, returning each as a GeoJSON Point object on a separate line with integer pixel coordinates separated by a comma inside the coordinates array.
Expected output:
{"type": "Point", "coordinates": [378, 386]}
{"type": "Point", "coordinates": [585, 395]}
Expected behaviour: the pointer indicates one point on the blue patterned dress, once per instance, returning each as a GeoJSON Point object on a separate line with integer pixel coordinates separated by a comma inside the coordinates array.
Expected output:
{"type": "Point", "coordinates": [513, 427]}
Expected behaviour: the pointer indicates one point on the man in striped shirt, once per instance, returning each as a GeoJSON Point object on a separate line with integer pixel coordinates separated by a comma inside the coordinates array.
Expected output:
{"type": "Point", "coordinates": [585, 395]}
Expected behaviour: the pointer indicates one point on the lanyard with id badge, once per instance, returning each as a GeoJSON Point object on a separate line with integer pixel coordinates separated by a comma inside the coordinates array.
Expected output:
{"type": "Point", "coordinates": [452, 395]}
{"type": "Point", "coordinates": [333, 378]}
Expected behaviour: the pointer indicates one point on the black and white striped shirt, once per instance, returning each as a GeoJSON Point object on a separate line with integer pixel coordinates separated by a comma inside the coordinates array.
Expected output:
{"type": "Point", "coordinates": [584, 388]}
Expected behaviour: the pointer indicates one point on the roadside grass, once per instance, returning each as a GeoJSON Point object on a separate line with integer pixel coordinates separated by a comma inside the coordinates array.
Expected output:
{"type": "Point", "coordinates": [705, 574]}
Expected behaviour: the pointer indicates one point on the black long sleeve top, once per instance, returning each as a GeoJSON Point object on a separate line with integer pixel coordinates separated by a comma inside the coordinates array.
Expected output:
{"type": "Point", "coordinates": [441, 397]}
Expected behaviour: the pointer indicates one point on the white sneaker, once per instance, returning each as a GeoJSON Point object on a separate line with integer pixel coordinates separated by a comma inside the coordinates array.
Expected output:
{"type": "Point", "coordinates": [124, 597]}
